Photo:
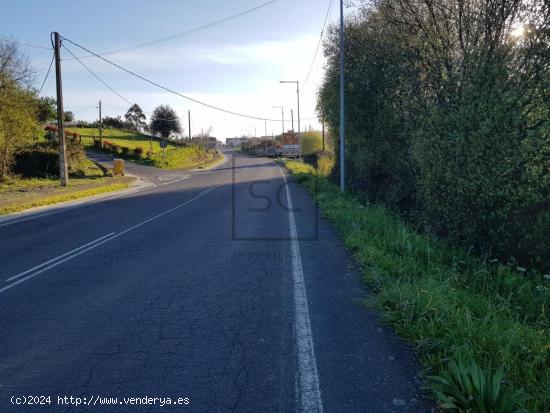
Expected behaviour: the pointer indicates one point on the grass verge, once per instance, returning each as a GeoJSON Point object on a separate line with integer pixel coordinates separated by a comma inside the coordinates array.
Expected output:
{"type": "Point", "coordinates": [456, 309]}
{"type": "Point", "coordinates": [21, 194]}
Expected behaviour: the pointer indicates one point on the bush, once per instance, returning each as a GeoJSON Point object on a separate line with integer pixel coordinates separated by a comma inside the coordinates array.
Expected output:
{"type": "Point", "coordinates": [125, 151]}
{"type": "Point", "coordinates": [115, 149]}
{"type": "Point", "coordinates": [40, 160]}
{"type": "Point", "coordinates": [138, 152]}
{"type": "Point", "coordinates": [322, 161]}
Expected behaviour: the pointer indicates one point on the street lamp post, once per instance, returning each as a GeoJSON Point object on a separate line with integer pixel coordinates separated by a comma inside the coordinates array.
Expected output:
{"type": "Point", "coordinates": [342, 97]}
{"type": "Point", "coordinates": [298, 95]}
{"type": "Point", "coordinates": [282, 117]}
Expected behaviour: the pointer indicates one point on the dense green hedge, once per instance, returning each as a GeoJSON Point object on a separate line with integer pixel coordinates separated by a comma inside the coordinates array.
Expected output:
{"type": "Point", "coordinates": [41, 159]}
{"type": "Point", "coordinates": [448, 119]}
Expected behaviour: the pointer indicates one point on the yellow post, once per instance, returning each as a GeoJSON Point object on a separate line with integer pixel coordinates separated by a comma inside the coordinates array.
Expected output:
{"type": "Point", "coordinates": [119, 167]}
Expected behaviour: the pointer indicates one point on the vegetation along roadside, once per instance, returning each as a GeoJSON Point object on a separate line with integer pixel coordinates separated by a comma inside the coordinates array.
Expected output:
{"type": "Point", "coordinates": [480, 328]}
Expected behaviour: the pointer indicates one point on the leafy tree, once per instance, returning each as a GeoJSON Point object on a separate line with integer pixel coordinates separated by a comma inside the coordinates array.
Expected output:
{"type": "Point", "coordinates": [136, 117]}
{"type": "Point", "coordinates": [165, 121]}
{"type": "Point", "coordinates": [46, 110]}
{"type": "Point", "coordinates": [68, 116]}
{"type": "Point", "coordinates": [112, 122]}
{"type": "Point", "coordinates": [18, 114]}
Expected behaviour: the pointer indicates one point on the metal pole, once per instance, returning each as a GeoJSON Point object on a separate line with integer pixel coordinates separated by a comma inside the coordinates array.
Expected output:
{"type": "Point", "coordinates": [283, 119]}
{"type": "Point", "coordinates": [189, 119]}
{"type": "Point", "coordinates": [265, 127]}
{"type": "Point", "coordinates": [292, 118]}
{"type": "Point", "coordinates": [63, 168]}
{"type": "Point", "coordinates": [299, 130]}
{"type": "Point", "coordinates": [342, 97]}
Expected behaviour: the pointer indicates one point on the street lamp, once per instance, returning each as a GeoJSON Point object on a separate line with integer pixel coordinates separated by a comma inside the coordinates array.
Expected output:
{"type": "Point", "coordinates": [342, 107]}
{"type": "Point", "coordinates": [298, 95]}
{"type": "Point", "coordinates": [282, 116]}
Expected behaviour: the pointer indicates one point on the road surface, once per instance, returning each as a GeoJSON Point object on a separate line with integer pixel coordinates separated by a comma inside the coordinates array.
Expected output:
{"type": "Point", "coordinates": [224, 291]}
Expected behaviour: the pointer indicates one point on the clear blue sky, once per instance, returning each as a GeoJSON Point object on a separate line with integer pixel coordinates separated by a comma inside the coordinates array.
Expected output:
{"type": "Point", "coordinates": [236, 65]}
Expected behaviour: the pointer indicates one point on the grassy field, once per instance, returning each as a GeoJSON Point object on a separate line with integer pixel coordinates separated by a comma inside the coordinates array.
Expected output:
{"type": "Point", "coordinates": [469, 320]}
{"type": "Point", "coordinates": [177, 157]}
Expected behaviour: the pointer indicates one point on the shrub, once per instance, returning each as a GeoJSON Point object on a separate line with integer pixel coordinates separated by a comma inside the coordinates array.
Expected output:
{"type": "Point", "coordinates": [115, 149]}
{"type": "Point", "coordinates": [39, 160]}
{"type": "Point", "coordinates": [138, 152]}
{"type": "Point", "coordinates": [125, 151]}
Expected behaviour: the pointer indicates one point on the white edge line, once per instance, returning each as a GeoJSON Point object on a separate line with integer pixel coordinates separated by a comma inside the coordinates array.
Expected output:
{"type": "Point", "coordinates": [309, 390]}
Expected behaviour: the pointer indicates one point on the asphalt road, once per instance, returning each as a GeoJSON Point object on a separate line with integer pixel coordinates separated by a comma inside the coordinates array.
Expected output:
{"type": "Point", "coordinates": [218, 288]}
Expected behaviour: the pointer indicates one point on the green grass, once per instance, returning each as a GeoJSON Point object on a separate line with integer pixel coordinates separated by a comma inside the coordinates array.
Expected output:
{"type": "Point", "coordinates": [60, 197]}
{"type": "Point", "coordinates": [177, 157]}
{"type": "Point", "coordinates": [448, 303]}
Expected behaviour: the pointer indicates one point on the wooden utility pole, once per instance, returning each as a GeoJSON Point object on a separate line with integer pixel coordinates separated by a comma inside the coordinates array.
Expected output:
{"type": "Point", "coordinates": [63, 168]}
{"type": "Point", "coordinates": [189, 119]}
{"type": "Point", "coordinates": [100, 126]}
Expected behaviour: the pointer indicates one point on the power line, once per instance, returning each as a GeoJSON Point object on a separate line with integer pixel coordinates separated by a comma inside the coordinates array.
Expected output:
{"type": "Point", "coordinates": [190, 31]}
{"type": "Point", "coordinates": [47, 74]}
{"type": "Point", "coordinates": [26, 44]}
{"type": "Point", "coordinates": [166, 88]}
{"type": "Point", "coordinates": [318, 44]}
{"type": "Point", "coordinates": [96, 76]}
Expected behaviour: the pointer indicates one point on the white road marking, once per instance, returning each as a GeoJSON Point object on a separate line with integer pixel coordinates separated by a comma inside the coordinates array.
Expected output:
{"type": "Point", "coordinates": [59, 257]}
{"type": "Point", "coordinates": [15, 221]}
{"type": "Point", "coordinates": [99, 242]}
{"type": "Point", "coordinates": [309, 390]}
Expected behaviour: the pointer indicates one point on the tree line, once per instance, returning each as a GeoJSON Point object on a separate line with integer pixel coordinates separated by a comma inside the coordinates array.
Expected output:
{"type": "Point", "coordinates": [448, 118]}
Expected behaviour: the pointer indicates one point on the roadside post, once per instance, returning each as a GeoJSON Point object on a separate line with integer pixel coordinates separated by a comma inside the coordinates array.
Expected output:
{"type": "Point", "coordinates": [163, 146]}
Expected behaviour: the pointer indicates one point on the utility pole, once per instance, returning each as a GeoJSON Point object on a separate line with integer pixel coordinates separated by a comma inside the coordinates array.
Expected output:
{"type": "Point", "coordinates": [342, 97]}
{"type": "Point", "coordinates": [265, 127]}
{"type": "Point", "coordinates": [292, 118]}
{"type": "Point", "coordinates": [298, 96]}
{"type": "Point", "coordinates": [63, 169]}
{"type": "Point", "coordinates": [189, 119]}
{"type": "Point", "coordinates": [282, 117]}
{"type": "Point", "coordinates": [100, 126]}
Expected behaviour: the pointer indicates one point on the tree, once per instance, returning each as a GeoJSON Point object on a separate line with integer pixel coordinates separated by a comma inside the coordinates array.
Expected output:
{"type": "Point", "coordinates": [136, 117]}
{"type": "Point", "coordinates": [113, 122]}
{"type": "Point", "coordinates": [165, 121]}
{"type": "Point", "coordinates": [68, 116]}
{"type": "Point", "coordinates": [18, 114]}
{"type": "Point", "coordinates": [46, 110]}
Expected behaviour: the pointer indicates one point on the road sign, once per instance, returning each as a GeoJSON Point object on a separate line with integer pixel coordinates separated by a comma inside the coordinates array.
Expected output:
{"type": "Point", "coordinates": [163, 144]}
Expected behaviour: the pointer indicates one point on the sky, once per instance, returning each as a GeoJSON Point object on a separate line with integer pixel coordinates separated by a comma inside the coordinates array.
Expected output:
{"type": "Point", "coordinates": [236, 65]}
